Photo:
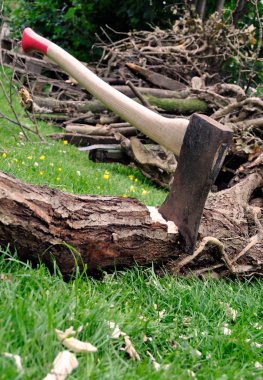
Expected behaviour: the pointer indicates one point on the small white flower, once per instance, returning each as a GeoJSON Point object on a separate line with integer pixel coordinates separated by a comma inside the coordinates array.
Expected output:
{"type": "Point", "coordinates": [161, 314]}
{"type": "Point", "coordinates": [35, 164]}
{"type": "Point", "coordinates": [230, 312]}
{"type": "Point", "coordinates": [255, 344]}
{"type": "Point", "coordinates": [257, 326]}
{"type": "Point", "coordinates": [191, 373]}
{"type": "Point", "coordinates": [226, 331]}
{"type": "Point", "coordinates": [78, 173]}
{"type": "Point", "coordinates": [258, 365]}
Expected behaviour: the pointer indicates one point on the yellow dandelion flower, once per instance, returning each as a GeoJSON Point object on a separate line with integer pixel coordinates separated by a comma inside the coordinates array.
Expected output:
{"type": "Point", "coordinates": [42, 157]}
{"type": "Point", "coordinates": [132, 189]}
{"type": "Point", "coordinates": [4, 155]}
{"type": "Point", "coordinates": [106, 176]}
{"type": "Point", "coordinates": [58, 179]}
{"type": "Point", "coordinates": [59, 170]}
{"type": "Point", "coordinates": [30, 157]}
{"type": "Point", "coordinates": [124, 195]}
{"type": "Point", "coordinates": [135, 179]}
{"type": "Point", "coordinates": [144, 192]}
{"type": "Point", "coordinates": [65, 142]}
{"type": "Point", "coordinates": [131, 177]}
{"type": "Point", "coordinates": [41, 172]}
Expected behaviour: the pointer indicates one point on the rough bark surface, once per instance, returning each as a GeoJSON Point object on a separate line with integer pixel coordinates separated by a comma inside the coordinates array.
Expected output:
{"type": "Point", "coordinates": [107, 232]}
{"type": "Point", "coordinates": [101, 232]}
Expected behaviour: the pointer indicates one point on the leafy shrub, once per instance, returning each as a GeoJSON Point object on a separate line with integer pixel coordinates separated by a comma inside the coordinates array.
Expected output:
{"type": "Point", "coordinates": [73, 24]}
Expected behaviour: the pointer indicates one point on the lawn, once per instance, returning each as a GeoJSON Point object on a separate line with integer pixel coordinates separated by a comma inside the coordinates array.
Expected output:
{"type": "Point", "coordinates": [203, 329]}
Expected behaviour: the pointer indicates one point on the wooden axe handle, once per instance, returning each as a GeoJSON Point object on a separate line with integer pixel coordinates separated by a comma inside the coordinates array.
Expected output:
{"type": "Point", "coordinates": [166, 132]}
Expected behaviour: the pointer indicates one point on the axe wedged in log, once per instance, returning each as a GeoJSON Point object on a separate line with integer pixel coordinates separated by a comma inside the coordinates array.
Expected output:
{"type": "Point", "coordinates": [200, 143]}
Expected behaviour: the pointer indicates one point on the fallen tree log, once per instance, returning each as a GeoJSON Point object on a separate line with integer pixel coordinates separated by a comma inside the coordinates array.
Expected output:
{"type": "Point", "coordinates": [159, 80]}
{"type": "Point", "coordinates": [179, 106]}
{"type": "Point", "coordinates": [100, 232]}
{"type": "Point", "coordinates": [67, 106]}
{"type": "Point", "coordinates": [100, 130]}
{"type": "Point", "coordinates": [187, 105]}
{"type": "Point", "coordinates": [83, 140]}
{"type": "Point", "coordinates": [157, 92]}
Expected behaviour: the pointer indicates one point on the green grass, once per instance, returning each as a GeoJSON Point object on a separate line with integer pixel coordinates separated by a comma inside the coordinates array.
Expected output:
{"type": "Point", "coordinates": [183, 319]}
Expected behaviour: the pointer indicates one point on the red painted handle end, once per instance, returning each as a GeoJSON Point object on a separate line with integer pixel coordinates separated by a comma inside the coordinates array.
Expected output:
{"type": "Point", "coordinates": [32, 41]}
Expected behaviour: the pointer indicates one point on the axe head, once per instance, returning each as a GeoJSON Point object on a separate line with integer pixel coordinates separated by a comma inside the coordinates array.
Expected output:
{"type": "Point", "coordinates": [202, 154]}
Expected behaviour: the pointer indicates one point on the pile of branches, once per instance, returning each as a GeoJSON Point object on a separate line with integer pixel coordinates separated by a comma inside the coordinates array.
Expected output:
{"type": "Point", "coordinates": [175, 72]}
{"type": "Point", "coordinates": [191, 48]}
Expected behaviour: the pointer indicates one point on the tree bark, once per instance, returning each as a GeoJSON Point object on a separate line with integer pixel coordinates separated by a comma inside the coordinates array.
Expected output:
{"type": "Point", "coordinates": [45, 105]}
{"type": "Point", "coordinates": [100, 130]}
{"type": "Point", "coordinates": [201, 8]}
{"type": "Point", "coordinates": [179, 106]}
{"type": "Point", "coordinates": [162, 81]}
{"type": "Point", "coordinates": [83, 140]}
{"type": "Point", "coordinates": [157, 92]}
{"type": "Point", "coordinates": [100, 232]}
{"type": "Point", "coordinates": [220, 5]}
{"type": "Point", "coordinates": [238, 11]}
{"type": "Point", "coordinates": [67, 106]}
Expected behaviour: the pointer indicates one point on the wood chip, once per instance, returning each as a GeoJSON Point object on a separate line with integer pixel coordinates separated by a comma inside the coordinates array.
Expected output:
{"type": "Point", "coordinates": [129, 348]}
{"type": "Point", "coordinates": [74, 344]}
{"type": "Point", "coordinates": [17, 359]}
{"type": "Point", "coordinates": [63, 365]}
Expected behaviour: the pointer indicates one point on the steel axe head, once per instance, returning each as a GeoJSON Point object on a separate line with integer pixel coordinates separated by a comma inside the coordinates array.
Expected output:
{"type": "Point", "coordinates": [202, 154]}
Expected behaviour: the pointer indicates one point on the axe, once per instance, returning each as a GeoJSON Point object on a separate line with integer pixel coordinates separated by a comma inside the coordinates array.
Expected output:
{"type": "Point", "coordinates": [200, 144]}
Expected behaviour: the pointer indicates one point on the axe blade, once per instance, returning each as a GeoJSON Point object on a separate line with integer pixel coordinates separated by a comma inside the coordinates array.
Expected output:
{"type": "Point", "coordinates": [201, 157]}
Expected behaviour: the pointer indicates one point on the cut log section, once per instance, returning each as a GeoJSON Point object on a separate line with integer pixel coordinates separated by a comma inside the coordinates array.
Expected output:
{"type": "Point", "coordinates": [100, 232]}
{"type": "Point", "coordinates": [83, 140]}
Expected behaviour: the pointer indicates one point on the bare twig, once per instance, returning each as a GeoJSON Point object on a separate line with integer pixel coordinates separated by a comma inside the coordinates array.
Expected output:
{"type": "Point", "coordinates": [138, 94]}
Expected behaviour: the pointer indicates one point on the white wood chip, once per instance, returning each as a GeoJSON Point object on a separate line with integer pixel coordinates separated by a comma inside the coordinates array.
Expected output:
{"type": "Point", "coordinates": [129, 348]}
{"type": "Point", "coordinates": [63, 365]}
{"type": "Point", "coordinates": [74, 344]}
{"type": "Point", "coordinates": [17, 359]}
{"type": "Point", "coordinates": [156, 365]}
{"type": "Point", "coordinates": [116, 330]}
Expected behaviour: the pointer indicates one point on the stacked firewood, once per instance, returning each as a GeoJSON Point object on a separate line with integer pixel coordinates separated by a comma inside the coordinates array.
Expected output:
{"type": "Point", "coordinates": [175, 72]}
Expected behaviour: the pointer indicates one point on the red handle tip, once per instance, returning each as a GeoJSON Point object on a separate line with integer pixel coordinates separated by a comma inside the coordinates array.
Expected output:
{"type": "Point", "coordinates": [32, 41]}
